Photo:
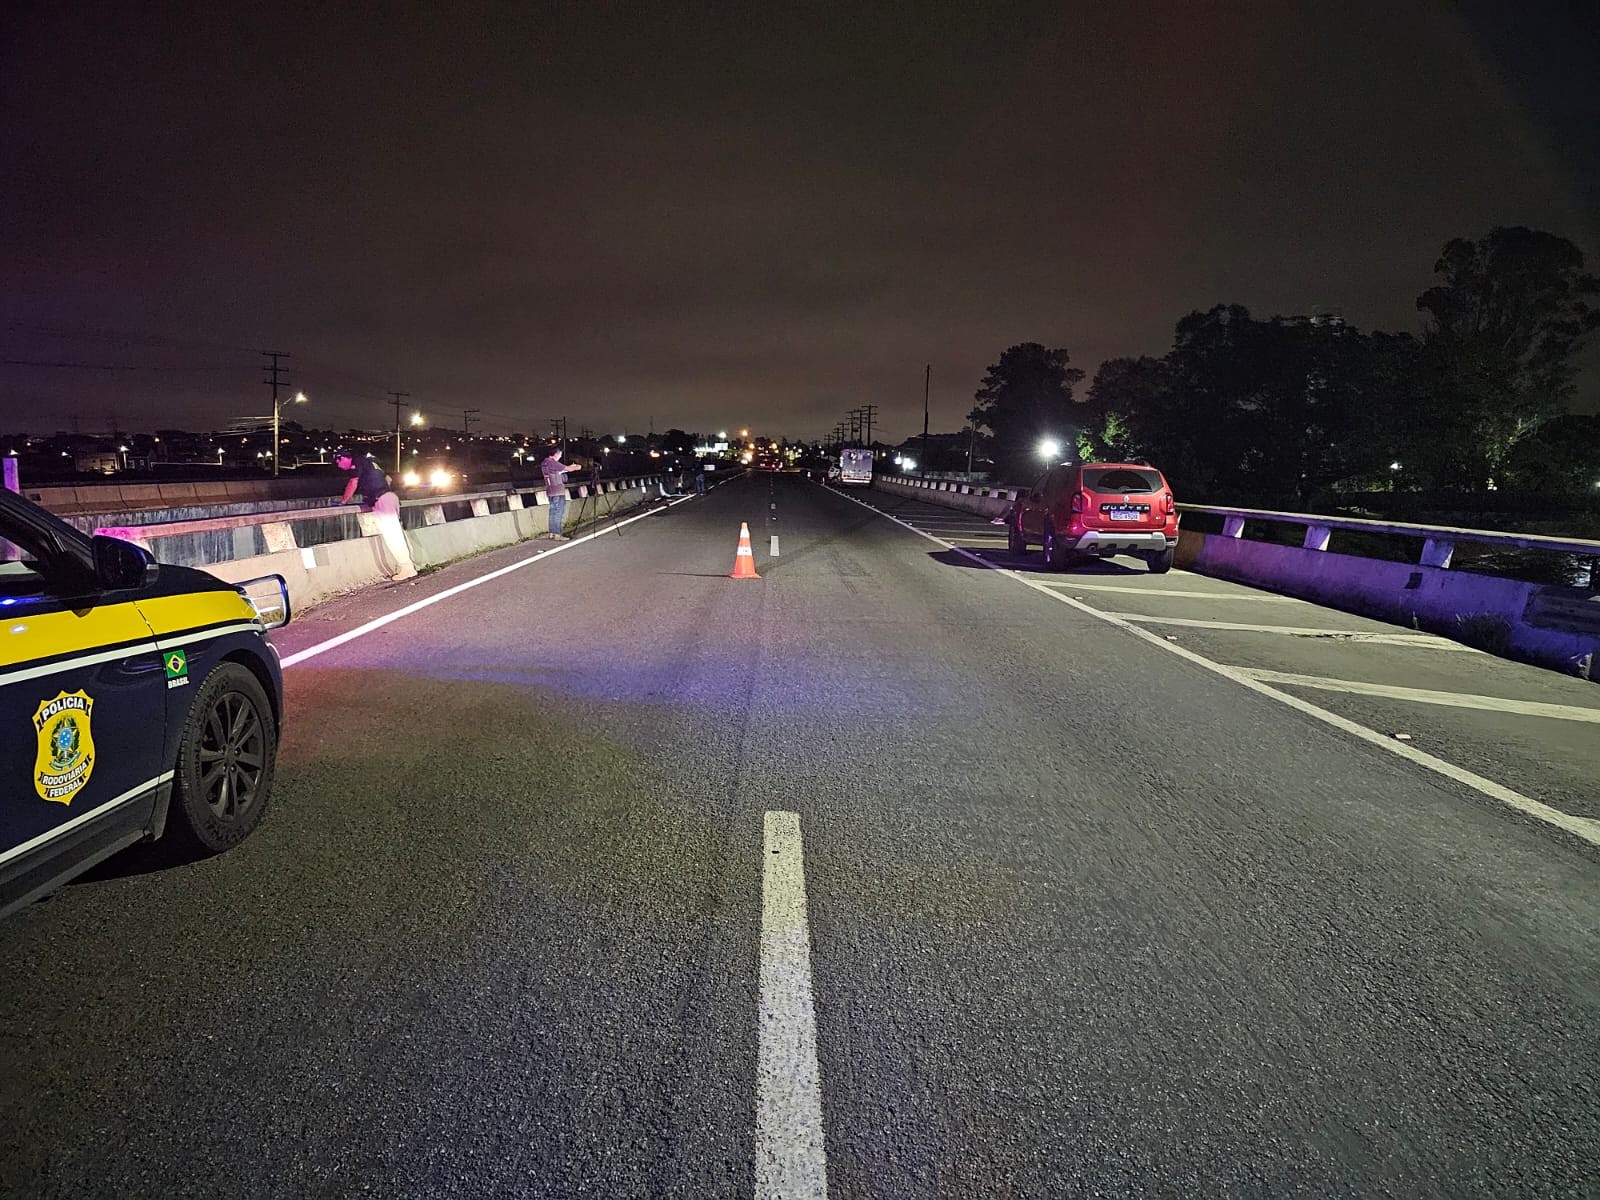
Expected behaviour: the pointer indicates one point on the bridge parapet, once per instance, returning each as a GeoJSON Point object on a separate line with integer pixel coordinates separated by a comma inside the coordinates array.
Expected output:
{"type": "Point", "coordinates": [336, 548]}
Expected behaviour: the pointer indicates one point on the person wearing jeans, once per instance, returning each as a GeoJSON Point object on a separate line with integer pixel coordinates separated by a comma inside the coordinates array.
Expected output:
{"type": "Point", "coordinates": [555, 490]}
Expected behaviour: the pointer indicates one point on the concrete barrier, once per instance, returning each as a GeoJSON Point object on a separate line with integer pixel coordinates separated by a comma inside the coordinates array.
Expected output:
{"type": "Point", "coordinates": [1557, 627]}
{"type": "Point", "coordinates": [975, 500]}
{"type": "Point", "coordinates": [316, 573]}
{"type": "Point", "coordinates": [433, 545]}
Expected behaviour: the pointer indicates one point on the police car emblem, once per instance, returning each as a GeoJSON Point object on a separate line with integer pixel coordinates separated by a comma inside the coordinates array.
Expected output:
{"type": "Point", "coordinates": [66, 746]}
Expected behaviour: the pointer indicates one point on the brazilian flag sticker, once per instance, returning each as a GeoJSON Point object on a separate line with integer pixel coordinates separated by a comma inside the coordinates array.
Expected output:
{"type": "Point", "coordinates": [177, 668]}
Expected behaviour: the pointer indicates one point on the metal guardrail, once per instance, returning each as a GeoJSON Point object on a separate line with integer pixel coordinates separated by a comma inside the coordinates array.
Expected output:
{"type": "Point", "coordinates": [1438, 541]}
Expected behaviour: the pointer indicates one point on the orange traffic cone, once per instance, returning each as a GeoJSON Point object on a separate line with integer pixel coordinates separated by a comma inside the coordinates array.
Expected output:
{"type": "Point", "coordinates": [744, 562]}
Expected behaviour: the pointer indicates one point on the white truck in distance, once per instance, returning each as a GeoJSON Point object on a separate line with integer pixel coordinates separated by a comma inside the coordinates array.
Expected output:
{"type": "Point", "coordinates": [855, 467]}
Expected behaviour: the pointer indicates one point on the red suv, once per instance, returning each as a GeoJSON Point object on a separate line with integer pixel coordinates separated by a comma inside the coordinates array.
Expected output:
{"type": "Point", "coordinates": [1097, 509]}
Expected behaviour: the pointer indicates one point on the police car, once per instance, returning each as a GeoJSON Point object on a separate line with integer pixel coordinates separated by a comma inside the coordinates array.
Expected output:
{"type": "Point", "coordinates": [135, 699]}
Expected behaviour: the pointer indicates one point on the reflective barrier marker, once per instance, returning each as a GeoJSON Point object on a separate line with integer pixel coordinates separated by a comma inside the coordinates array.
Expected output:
{"type": "Point", "coordinates": [790, 1159]}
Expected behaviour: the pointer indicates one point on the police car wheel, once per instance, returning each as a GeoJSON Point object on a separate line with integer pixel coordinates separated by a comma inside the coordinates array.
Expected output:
{"type": "Point", "coordinates": [225, 761]}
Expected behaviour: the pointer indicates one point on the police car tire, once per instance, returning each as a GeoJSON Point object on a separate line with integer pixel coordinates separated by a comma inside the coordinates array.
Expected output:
{"type": "Point", "coordinates": [191, 820]}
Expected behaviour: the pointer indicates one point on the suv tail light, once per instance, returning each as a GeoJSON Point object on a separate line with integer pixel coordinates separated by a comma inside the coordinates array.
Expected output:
{"type": "Point", "coordinates": [1168, 503]}
{"type": "Point", "coordinates": [1079, 501]}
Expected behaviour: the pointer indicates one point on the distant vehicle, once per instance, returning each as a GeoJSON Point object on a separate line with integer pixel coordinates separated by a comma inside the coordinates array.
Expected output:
{"type": "Point", "coordinates": [855, 467]}
{"type": "Point", "coordinates": [1097, 510]}
{"type": "Point", "coordinates": [769, 462]}
{"type": "Point", "coordinates": [435, 474]}
{"type": "Point", "coordinates": [134, 698]}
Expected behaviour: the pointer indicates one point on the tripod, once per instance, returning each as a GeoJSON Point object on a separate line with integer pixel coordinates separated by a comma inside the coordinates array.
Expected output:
{"type": "Point", "coordinates": [591, 504]}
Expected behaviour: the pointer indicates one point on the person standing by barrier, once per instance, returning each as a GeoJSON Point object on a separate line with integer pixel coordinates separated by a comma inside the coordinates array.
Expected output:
{"type": "Point", "coordinates": [380, 500]}
{"type": "Point", "coordinates": [555, 490]}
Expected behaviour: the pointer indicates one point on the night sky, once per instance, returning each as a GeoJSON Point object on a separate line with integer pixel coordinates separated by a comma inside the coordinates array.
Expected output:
{"type": "Point", "coordinates": [762, 217]}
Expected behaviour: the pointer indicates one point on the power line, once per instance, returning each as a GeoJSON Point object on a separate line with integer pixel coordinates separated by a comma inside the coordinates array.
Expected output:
{"type": "Point", "coordinates": [88, 366]}
{"type": "Point", "coordinates": [112, 335]}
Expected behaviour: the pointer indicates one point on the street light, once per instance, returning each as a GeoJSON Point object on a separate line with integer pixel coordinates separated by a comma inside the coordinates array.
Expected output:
{"type": "Point", "coordinates": [277, 408]}
{"type": "Point", "coordinates": [1049, 448]}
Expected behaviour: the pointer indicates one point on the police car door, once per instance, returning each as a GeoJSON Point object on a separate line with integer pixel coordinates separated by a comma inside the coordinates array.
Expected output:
{"type": "Point", "coordinates": [82, 694]}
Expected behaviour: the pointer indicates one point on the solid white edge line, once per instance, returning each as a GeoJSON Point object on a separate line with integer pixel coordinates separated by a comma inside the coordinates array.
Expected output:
{"type": "Point", "coordinates": [132, 793]}
{"type": "Point", "coordinates": [351, 635]}
{"type": "Point", "coordinates": [1581, 827]}
{"type": "Point", "coordinates": [791, 1160]}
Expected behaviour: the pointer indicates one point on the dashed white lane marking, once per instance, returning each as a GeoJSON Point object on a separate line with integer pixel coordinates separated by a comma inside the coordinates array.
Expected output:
{"type": "Point", "coordinates": [1527, 708]}
{"type": "Point", "coordinates": [791, 1162]}
{"type": "Point", "coordinates": [351, 635]}
{"type": "Point", "coordinates": [774, 548]}
{"type": "Point", "coordinates": [1426, 640]}
{"type": "Point", "coordinates": [1260, 597]}
{"type": "Point", "coordinates": [1580, 827]}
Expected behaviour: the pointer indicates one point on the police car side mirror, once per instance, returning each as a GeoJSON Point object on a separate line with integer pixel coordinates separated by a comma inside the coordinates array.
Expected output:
{"type": "Point", "coordinates": [119, 565]}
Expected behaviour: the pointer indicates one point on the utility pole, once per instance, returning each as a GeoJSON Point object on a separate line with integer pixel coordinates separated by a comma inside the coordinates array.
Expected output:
{"type": "Point", "coordinates": [927, 383]}
{"type": "Point", "coordinates": [466, 434]}
{"type": "Point", "coordinates": [399, 399]}
{"type": "Point", "coordinates": [868, 411]}
{"type": "Point", "coordinates": [274, 380]}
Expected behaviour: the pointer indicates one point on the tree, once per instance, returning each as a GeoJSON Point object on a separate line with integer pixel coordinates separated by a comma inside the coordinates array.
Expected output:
{"type": "Point", "coordinates": [1025, 398]}
{"type": "Point", "coordinates": [1499, 334]}
{"type": "Point", "coordinates": [676, 441]}
{"type": "Point", "coordinates": [1240, 409]}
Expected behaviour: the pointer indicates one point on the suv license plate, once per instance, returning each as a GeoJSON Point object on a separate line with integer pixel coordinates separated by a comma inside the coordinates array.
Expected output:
{"type": "Point", "coordinates": [1125, 514]}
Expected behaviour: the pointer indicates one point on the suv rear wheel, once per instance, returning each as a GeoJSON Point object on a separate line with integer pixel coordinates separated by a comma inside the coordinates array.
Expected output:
{"type": "Point", "coordinates": [1160, 561]}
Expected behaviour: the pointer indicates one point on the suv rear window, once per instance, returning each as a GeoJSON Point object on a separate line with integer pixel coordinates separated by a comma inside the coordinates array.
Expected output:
{"type": "Point", "coordinates": [1121, 479]}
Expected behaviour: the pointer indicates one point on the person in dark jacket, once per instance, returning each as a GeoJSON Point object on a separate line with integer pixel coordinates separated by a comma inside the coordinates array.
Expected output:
{"type": "Point", "coordinates": [378, 499]}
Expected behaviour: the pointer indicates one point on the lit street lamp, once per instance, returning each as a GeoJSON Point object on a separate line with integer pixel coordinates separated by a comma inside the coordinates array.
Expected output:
{"type": "Point", "coordinates": [1050, 449]}
{"type": "Point", "coordinates": [277, 409]}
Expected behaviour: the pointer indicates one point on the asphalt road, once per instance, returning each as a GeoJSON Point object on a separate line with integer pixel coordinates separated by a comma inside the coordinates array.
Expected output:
{"type": "Point", "coordinates": [1085, 916]}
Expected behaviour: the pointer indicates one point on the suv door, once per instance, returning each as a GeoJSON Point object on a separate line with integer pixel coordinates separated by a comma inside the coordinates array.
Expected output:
{"type": "Point", "coordinates": [1030, 514]}
{"type": "Point", "coordinates": [82, 704]}
{"type": "Point", "coordinates": [1057, 490]}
